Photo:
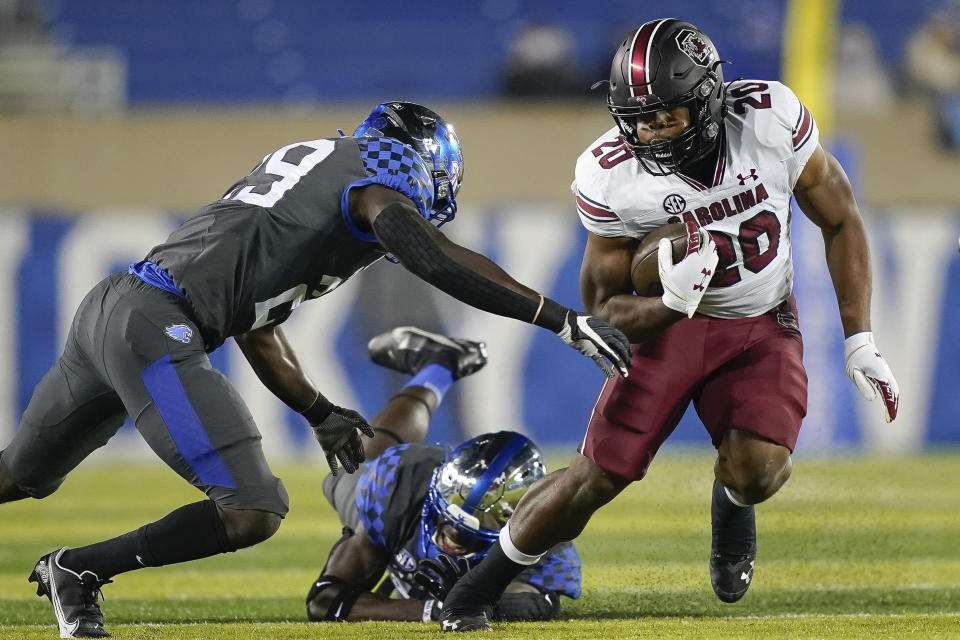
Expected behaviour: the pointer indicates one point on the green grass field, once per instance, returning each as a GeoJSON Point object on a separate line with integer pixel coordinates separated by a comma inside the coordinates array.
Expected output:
{"type": "Point", "coordinates": [850, 548]}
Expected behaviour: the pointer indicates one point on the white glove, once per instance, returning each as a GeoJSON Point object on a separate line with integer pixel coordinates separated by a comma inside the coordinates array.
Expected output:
{"type": "Point", "coordinates": [685, 283]}
{"type": "Point", "coordinates": [870, 372]}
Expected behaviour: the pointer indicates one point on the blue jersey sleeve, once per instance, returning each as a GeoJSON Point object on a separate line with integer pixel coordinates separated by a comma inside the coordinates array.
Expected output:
{"type": "Point", "coordinates": [396, 166]}
{"type": "Point", "coordinates": [558, 571]}
{"type": "Point", "coordinates": [374, 489]}
{"type": "Point", "coordinates": [391, 492]}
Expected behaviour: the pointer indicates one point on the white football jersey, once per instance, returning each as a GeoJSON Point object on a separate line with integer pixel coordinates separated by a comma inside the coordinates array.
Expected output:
{"type": "Point", "coordinates": [766, 141]}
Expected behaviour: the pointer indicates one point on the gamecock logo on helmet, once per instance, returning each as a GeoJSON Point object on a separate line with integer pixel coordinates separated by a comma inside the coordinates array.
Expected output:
{"type": "Point", "coordinates": [695, 47]}
{"type": "Point", "coordinates": [674, 204]}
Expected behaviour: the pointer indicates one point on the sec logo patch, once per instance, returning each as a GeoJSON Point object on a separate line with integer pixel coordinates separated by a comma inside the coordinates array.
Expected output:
{"type": "Point", "coordinates": [674, 204]}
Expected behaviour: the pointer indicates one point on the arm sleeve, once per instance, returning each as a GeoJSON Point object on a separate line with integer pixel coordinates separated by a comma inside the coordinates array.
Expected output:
{"type": "Point", "coordinates": [390, 493]}
{"type": "Point", "coordinates": [414, 243]}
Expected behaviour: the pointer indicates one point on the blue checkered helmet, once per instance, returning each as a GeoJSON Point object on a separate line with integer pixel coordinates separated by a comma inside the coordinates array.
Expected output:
{"type": "Point", "coordinates": [478, 486]}
{"type": "Point", "coordinates": [433, 138]}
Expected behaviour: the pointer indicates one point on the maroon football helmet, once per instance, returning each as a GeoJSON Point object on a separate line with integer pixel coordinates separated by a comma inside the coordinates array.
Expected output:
{"type": "Point", "coordinates": [663, 64]}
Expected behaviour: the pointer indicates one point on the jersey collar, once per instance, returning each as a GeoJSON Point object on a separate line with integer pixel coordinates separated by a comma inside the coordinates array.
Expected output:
{"type": "Point", "coordinates": [719, 166]}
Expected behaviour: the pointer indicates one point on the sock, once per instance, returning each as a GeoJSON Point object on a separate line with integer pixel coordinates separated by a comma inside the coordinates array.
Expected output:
{"type": "Point", "coordinates": [191, 532]}
{"type": "Point", "coordinates": [734, 529]}
{"type": "Point", "coordinates": [435, 377]}
{"type": "Point", "coordinates": [484, 584]}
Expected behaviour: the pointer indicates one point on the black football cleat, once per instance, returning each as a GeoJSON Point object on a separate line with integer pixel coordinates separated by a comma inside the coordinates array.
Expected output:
{"type": "Point", "coordinates": [734, 549]}
{"type": "Point", "coordinates": [73, 596]}
{"type": "Point", "coordinates": [730, 575]}
{"type": "Point", "coordinates": [409, 349]}
{"type": "Point", "coordinates": [465, 621]}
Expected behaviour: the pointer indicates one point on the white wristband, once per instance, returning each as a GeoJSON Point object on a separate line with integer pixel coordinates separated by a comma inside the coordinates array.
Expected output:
{"type": "Point", "coordinates": [428, 609]}
{"type": "Point", "coordinates": [856, 341]}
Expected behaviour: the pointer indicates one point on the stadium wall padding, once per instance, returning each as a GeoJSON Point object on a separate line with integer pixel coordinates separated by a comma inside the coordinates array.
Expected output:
{"type": "Point", "coordinates": [533, 383]}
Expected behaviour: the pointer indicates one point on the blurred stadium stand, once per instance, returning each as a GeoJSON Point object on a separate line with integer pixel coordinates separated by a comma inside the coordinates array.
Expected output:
{"type": "Point", "coordinates": [266, 50]}
{"type": "Point", "coordinates": [119, 118]}
{"type": "Point", "coordinates": [335, 50]}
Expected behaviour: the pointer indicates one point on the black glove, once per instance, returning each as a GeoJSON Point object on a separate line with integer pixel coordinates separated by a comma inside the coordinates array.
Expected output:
{"type": "Point", "coordinates": [531, 606]}
{"type": "Point", "coordinates": [335, 428]}
{"type": "Point", "coordinates": [437, 575]}
{"type": "Point", "coordinates": [596, 339]}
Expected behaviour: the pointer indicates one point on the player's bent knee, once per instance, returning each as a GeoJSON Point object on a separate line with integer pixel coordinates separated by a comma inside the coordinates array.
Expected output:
{"type": "Point", "coordinates": [268, 494]}
{"type": "Point", "coordinates": [247, 527]}
{"type": "Point", "coordinates": [10, 490]}
{"type": "Point", "coordinates": [765, 478]}
{"type": "Point", "coordinates": [754, 467]}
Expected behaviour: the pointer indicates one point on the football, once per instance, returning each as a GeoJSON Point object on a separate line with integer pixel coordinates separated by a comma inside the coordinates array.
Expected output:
{"type": "Point", "coordinates": [644, 271]}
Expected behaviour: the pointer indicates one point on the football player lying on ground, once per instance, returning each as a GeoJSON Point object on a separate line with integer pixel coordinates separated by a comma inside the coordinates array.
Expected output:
{"type": "Point", "coordinates": [424, 517]}
{"type": "Point", "coordinates": [308, 217]}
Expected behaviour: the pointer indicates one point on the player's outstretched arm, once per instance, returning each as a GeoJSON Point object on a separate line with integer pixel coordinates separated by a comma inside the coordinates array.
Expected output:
{"type": "Point", "coordinates": [476, 280]}
{"type": "Point", "coordinates": [343, 591]}
{"type": "Point", "coordinates": [826, 197]}
{"type": "Point", "coordinates": [276, 365]}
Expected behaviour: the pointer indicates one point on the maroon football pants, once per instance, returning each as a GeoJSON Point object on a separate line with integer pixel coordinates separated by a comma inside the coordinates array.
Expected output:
{"type": "Point", "coordinates": [743, 373]}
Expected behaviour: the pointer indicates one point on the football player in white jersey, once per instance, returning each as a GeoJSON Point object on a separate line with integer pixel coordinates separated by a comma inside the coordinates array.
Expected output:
{"type": "Point", "coordinates": [725, 158]}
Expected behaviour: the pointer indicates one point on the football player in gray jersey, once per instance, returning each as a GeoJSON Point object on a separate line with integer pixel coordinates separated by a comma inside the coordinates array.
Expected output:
{"type": "Point", "coordinates": [307, 218]}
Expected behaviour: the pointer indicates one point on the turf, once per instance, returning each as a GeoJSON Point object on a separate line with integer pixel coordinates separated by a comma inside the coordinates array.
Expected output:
{"type": "Point", "coordinates": [850, 548]}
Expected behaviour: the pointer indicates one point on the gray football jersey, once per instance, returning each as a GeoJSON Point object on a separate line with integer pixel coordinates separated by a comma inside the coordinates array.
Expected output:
{"type": "Point", "coordinates": [283, 234]}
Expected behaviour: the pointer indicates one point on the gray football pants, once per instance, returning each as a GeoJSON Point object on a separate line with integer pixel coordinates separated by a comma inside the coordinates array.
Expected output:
{"type": "Point", "coordinates": [134, 350]}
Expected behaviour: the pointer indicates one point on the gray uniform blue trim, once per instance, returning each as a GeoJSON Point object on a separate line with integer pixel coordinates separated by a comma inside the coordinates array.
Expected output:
{"type": "Point", "coordinates": [396, 166]}
{"type": "Point", "coordinates": [186, 429]}
{"type": "Point", "coordinates": [153, 274]}
{"type": "Point", "coordinates": [345, 209]}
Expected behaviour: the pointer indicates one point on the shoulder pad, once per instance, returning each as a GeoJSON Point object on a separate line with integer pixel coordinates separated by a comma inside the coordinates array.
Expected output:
{"type": "Point", "coordinates": [397, 166]}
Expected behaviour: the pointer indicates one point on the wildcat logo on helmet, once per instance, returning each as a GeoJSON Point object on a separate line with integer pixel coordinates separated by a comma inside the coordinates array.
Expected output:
{"type": "Point", "coordinates": [695, 47]}
{"type": "Point", "coordinates": [180, 332]}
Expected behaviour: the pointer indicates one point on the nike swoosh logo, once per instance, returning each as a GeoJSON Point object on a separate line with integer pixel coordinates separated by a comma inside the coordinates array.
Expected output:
{"type": "Point", "coordinates": [67, 626]}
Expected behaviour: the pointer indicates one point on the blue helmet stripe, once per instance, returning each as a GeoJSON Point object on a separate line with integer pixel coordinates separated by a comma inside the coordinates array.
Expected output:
{"type": "Point", "coordinates": [497, 465]}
